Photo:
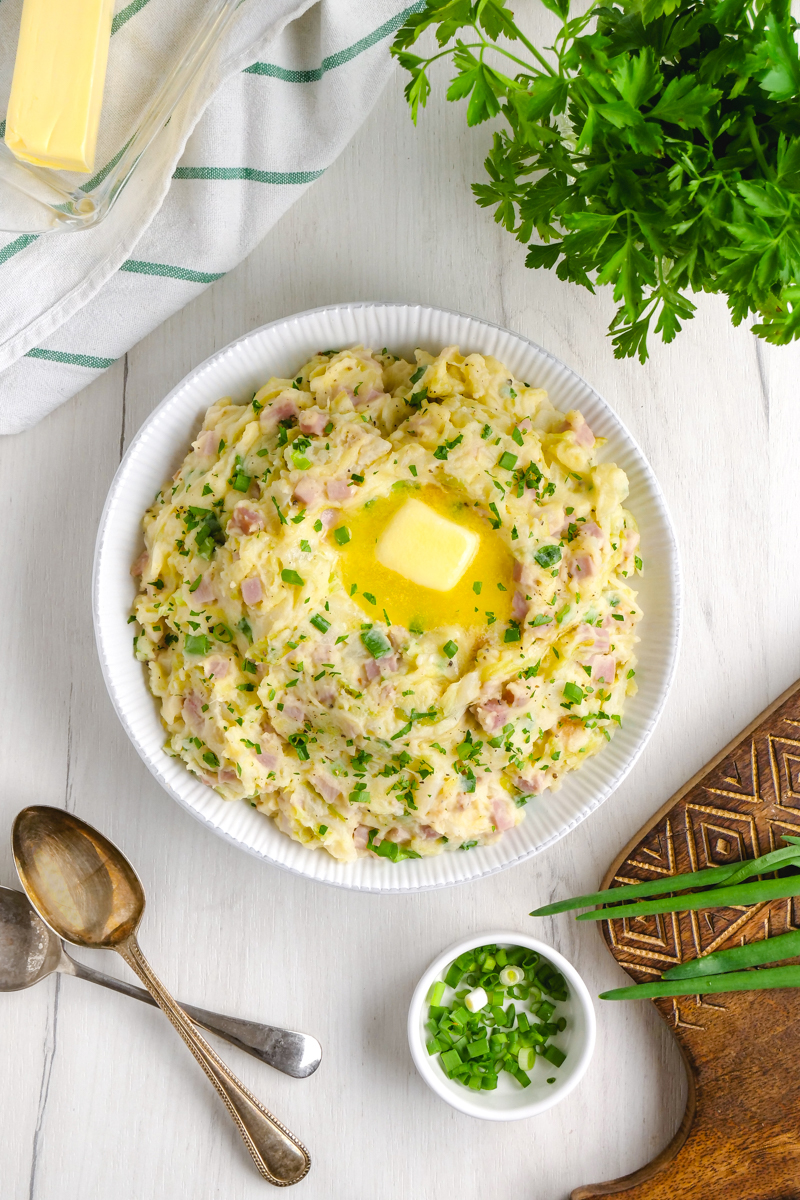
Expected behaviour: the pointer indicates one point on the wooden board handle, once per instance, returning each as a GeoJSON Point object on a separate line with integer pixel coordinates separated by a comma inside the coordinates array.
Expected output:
{"type": "Point", "coordinates": [738, 1137]}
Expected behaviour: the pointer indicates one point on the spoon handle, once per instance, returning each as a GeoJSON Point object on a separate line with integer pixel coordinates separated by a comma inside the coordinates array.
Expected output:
{"type": "Point", "coordinates": [296, 1054]}
{"type": "Point", "coordinates": [280, 1158]}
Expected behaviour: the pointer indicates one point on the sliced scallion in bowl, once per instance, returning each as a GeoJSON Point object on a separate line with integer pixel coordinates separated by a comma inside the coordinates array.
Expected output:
{"type": "Point", "coordinates": [496, 1009]}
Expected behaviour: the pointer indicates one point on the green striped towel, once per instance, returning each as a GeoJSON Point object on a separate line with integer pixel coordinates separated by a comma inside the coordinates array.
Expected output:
{"type": "Point", "coordinates": [295, 80]}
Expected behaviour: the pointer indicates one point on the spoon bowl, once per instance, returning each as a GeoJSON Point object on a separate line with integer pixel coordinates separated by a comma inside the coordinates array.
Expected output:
{"type": "Point", "coordinates": [83, 886]}
{"type": "Point", "coordinates": [28, 950]}
{"type": "Point", "coordinates": [77, 880]}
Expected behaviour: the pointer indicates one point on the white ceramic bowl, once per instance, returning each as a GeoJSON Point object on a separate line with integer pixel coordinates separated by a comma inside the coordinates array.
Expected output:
{"type": "Point", "coordinates": [279, 349]}
{"type": "Point", "coordinates": [509, 1101]}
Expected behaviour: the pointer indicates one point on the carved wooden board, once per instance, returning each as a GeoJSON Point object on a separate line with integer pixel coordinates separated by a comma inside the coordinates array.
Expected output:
{"type": "Point", "coordinates": [740, 1134]}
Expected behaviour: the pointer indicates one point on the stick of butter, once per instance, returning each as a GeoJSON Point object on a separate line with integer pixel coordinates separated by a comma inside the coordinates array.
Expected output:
{"type": "Point", "coordinates": [57, 89]}
{"type": "Point", "coordinates": [425, 547]}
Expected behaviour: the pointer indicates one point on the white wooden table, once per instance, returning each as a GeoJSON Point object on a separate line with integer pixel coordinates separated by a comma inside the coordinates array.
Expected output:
{"type": "Point", "coordinates": [98, 1098]}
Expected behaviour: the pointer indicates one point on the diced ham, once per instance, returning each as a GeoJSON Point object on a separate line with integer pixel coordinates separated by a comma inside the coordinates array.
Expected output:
{"type": "Point", "coordinates": [329, 517]}
{"type": "Point", "coordinates": [371, 669]}
{"type": "Point", "coordinates": [326, 785]}
{"type": "Point", "coordinates": [322, 652]}
{"type": "Point", "coordinates": [252, 590]}
{"type": "Point", "coordinates": [519, 607]}
{"type": "Point", "coordinates": [294, 713]}
{"type": "Point", "coordinates": [582, 566]}
{"type": "Point", "coordinates": [141, 564]}
{"type": "Point", "coordinates": [429, 832]}
{"type": "Point", "coordinates": [517, 570]}
{"type": "Point", "coordinates": [532, 782]}
{"type": "Point", "coordinates": [307, 491]}
{"type": "Point", "coordinates": [327, 696]}
{"type": "Point", "coordinates": [204, 592]}
{"type": "Point", "coordinates": [502, 817]}
{"type": "Point", "coordinates": [360, 837]}
{"type": "Point", "coordinates": [337, 489]}
{"type": "Point", "coordinates": [313, 421]}
{"type": "Point", "coordinates": [604, 667]}
{"type": "Point", "coordinates": [217, 666]}
{"type": "Point", "coordinates": [267, 759]}
{"type": "Point", "coordinates": [208, 442]}
{"type": "Point", "coordinates": [592, 529]}
{"type": "Point", "coordinates": [396, 834]}
{"type": "Point", "coordinates": [193, 713]}
{"type": "Point", "coordinates": [227, 775]}
{"type": "Point", "coordinates": [279, 410]}
{"type": "Point", "coordinates": [388, 662]}
{"type": "Point", "coordinates": [583, 434]}
{"type": "Point", "coordinates": [491, 715]}
{"type": "Point", "coordinates": [630, 544]}
{"type": "Point", "coordinates": [601, 638]}
{"type": "Point", "coordinates": [245, 520]}
{"type": "Point", "coordinates": [525, 425]}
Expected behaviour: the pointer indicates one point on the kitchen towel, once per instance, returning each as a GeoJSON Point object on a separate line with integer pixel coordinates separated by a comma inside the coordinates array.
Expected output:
{"type": "Point", "coordinates": [292, 84]}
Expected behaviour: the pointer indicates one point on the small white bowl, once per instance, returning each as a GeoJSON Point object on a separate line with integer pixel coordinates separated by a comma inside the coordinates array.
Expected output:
{"type": "Point", "coordinates": [509, 1101]}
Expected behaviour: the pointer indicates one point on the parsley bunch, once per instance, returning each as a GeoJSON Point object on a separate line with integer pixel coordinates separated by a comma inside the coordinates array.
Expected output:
{"type": "Point", "coordinates": [657, 149]}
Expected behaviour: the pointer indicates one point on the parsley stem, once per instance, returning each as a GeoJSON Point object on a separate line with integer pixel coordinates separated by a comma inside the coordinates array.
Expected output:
{"type": "Point", "coordinates": [521, 62]}
{"type": "Point", "coordinates": [759, 153]}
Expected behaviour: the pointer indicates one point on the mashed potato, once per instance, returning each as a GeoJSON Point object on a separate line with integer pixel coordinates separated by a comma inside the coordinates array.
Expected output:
{"type": "Point", "coordinates": [366, 713]}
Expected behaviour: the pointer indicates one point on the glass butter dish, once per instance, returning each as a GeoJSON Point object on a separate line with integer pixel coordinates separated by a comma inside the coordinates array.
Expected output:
{"type": "Point", "coordinates": [160, 51]}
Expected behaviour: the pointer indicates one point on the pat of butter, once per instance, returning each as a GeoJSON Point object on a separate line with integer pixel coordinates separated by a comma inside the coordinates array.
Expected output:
{"type": "Point", "coordinates": [57, 89]}
{"type": "Point", "coordinates": [426, 548]}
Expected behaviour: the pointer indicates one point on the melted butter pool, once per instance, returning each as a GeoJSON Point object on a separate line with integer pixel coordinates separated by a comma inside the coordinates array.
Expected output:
{"type": "Point", "coordinates": [421, 608]}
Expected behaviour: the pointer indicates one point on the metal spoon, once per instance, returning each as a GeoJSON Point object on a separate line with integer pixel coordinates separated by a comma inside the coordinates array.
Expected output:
{"type": "Point", "coordinates": [29, 952]}
{"type": "Point", "coordinates": [90, 895]}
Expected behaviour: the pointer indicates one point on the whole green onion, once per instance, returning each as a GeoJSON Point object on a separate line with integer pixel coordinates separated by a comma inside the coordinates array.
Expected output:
{"type": "Point", "coordinates": [727, 897]}
{"type": "Point", "coordinates": [712, 876]}
{"type": "Point", "coordinates": [787, 945]}
{"type": "Point", "coordinates": [704, 985]}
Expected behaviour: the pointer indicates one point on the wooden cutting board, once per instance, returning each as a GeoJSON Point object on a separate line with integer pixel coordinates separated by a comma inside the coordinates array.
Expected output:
{"type": "Point", "coordinates": [740, 1135]}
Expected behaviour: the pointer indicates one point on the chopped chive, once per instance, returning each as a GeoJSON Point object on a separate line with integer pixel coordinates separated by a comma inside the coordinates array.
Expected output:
{"type": "Point", "coordinates": [342, 535]}
{"type": "Point", "coordinates": [450, 649]}
{"type": "Point", "coordinates": [319, 622]}
{"type": "Point", "coordinates": [291, 577]}
{"type": "Point", "coordinates": [436, 992]}
{"type": "Point", "coordinates": [376, 642]}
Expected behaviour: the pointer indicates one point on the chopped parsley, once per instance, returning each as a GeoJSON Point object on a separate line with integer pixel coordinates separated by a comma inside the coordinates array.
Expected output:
{"type": "Point", "coordinates": [547, 556]}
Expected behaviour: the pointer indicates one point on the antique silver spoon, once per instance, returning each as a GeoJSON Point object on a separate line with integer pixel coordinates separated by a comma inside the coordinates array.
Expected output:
{"type": "Point", "coordinates": [83, 886]}
{"type": "Point", "coordinates": [29, 952]}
